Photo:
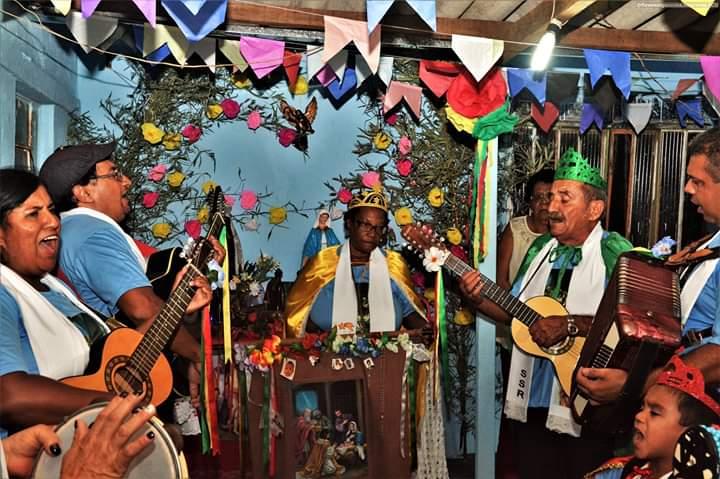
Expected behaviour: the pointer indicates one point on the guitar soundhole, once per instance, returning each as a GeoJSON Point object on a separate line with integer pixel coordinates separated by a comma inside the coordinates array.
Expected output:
{"type": "Point", "coordinates": [560, 348]}
{"type": "Point", "coordinates": [120, 377]}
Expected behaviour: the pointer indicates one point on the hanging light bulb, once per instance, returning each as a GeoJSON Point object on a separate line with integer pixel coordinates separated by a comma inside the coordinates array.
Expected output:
{"type": "Point", "coordinates": [545, 47]}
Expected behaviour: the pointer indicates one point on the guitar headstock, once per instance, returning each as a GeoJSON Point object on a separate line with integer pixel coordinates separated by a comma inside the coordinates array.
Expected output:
{"type": "Point", "coordinates": [201, 248]}
{"type": "Point", "coordinates": [427, 244]}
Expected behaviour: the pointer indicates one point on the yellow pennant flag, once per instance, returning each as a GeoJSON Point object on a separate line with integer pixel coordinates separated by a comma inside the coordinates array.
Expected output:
{"type": "Point", "coordinates": [700, 6]}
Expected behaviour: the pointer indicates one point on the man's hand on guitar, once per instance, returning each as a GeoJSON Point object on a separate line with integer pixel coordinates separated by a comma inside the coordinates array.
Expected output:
{"type": "Point", "coordinates": [549, 330]}
{"type": "Point", "coordinates": [203, 292]}
{"type": "Point", "coordinates": [219, 251]}
{"type": "Point", "coordinates": [601, 385]}
{"type": "Point", "coordinates": [471, 285]}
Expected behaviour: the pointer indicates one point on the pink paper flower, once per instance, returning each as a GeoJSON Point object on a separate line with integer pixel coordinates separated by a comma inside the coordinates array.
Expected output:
{"type": "Point", "coordinates": [404, 167]}
{"type": "Point", "coordinates": [193, 228]}
{"type": "Point", "coordinates": [230, 108]}
{"type": "Point", "coordinates": [150, 199]}
{"type": "Point", "coordinates": [391, 119]}
{"type": "Point", "coordinates": [192, 133]}
{"type": "Point", "coordinates": [248, 199]}
{"type": "Point", "coordinates": [157, 173]}
{"type": "Point", "coordinates": [286, 136]}
{"type": "Point", "coordinates": [370, 178]}
{"type": "Point", "coordinates": [344, 196]}
{"type": "Point", "coordinates": [254, 120]}
{"type": "Point", "coordinates": [230, 200]}
{"type": "Point", "coordinates": [405, 145]}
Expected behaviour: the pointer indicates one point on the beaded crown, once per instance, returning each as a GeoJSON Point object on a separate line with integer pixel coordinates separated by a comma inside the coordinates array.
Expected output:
{"type": "Point", "coordinates": [574, 167]}
{"type": "Point", "coordinates": [689, 380]}
{"type": "Point", "coordinates": [370, 198]}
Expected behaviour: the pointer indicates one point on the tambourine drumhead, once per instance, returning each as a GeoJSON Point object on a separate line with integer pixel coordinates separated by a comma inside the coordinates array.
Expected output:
{"type": "Point", "coordinates": [159, 460]}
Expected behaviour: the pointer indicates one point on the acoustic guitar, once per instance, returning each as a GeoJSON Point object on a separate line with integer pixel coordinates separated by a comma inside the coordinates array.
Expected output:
{"type": "Point", "coordinates": [563, 355]}
{"type": "Point", "coordinates": [128, 361]}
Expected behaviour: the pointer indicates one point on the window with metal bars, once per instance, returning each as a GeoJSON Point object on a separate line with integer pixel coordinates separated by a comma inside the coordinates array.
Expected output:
{"type": "Point", "coordinates": [25, 133]}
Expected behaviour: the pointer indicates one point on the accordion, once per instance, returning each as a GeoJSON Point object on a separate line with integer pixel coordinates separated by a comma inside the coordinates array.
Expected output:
{"type": "Point", "coordinates": [636, 328]}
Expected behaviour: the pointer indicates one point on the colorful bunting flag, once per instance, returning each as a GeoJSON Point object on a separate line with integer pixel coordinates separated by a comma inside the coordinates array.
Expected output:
{"type": "Point", "coordinates": [62, 6]}
{"type": "Point", "coordinates": [147, 7]}
{"type": "Point", "coordinates": [291, 63]}
{"type": "Point", "coordinates": [690, 108]}
{"type": "Point", "coordinates": [231, 50]}
{"type": "Point", "coordinates": [195, 18]}
{"type": "Point", "coordinates": [534, 82]}
{"type": "Point", "coordinates": [700, 6]}
{"type": "Point", "coordinates": [545, 117]}
{"type": "Point", "coordinates": [262, 54]}
{"type": "Point", "coordinates": [438, 75]}
{"type": "Point", "coordinates": [681, 86]}
{"type": "Point", "coordinates": [154, 38]}
{"type": "Point", "coordinates": [398, 91]}
{"type": "Point", "coordinates": [314, 60]}
{"type": "Point", "coordinates": [90, 32]}
{"type": "Point", "coordinates": [711, 69]}
{"type": "Point", "coordinates": [591, 114]}
{"type": "Point", "coordinates": [341, 31]}
{"type": "Point", "coordinates": [711, 99]}
{"type": "Point", "coordinates": [426, 9]}
{"type": "Point", "coordinates": [157, 55]}
{"type": "Point", "coordinates": [87, 7]}
{"type": "Point", "coordinates": [562, 88]}
{"type": "Point", "coordinates": [617, 63]}
{"type": "Point", "coordinates": [338, 89]}
{"type": "Point", "coordinates": [376, 9]}
{"type": "Point", "coordinates": [478, 54]}
{"type": "Point", "coordinates": [385, 69]}
{"type": "Point", "coordinates": [326, 75]}
{"type": "Point", "coordinates": [362, 70]}
{"type": "Point", "coordinates": [638, 114]}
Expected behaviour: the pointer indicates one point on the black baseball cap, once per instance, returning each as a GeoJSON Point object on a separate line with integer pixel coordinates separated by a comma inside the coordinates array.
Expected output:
{"type": "Point", "coordinates": [69, 164]}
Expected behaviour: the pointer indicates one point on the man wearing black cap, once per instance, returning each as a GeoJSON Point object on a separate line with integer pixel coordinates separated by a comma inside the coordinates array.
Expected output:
{"type": "Point", "coordinates": [102, 262]}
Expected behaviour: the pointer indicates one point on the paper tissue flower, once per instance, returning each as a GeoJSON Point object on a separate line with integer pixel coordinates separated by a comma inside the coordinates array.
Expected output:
{"type": "Point", "coordinates": [157, 173]}
{"type": "Point", "coordinates": [193, 228]}
{"type": "Point", "coordinates": [192, 133]}
{"type": "Point", "coordinates": [254, 120]}
{"type": "Point", "coordinates": [151, 133]}
{"type": "Point", "coordinates": [203, 214]}
{"type": "Point", "coordinates": [230, 200]}
{"type": "Point", "coordinates": [434, 258]}
{"type": "Point", "coordinates": [150, 199]}
{"type": "Point", "coordinates": [286, 136]}
{"type": "Point", "coordinates": [214, 111]}
{"type": "Point", "coordinates": [277, 215]}
{"type": "Point", "coordinates": [230, 108]}
{"type": "Point", "coordinates": [391, 119]}
{"type": "Point", "coordinates": [344, 196]}
{"type": "Point", "coordinates": [171, 141]}
{"type": "Point", "coordinates": [175, 179]}
{"type": "Point", "coordinates": [404, 167]}
{"type": "Point", "coordinates": [382, 140]}
{"type": "Point", "coordinates": [405, 145]}
{"type": "Point", "coordinates": [436, 197]}
{"type": "Point", "coordinates": [208, 185]}
{"type": "Point", "coordinates": [463, 317]}
{"type": "Point", "coordinates": [370, 179]}
{"type": "Point", "coordinates": [301, 86]}
{"type": "Point", "coordinates": [161, 230]}
{"type": "Point", "coordinates": [403, 216]}
{"type": "Point", "coordinates": [454, 236]}
{"type": "Point", "coordinates": [248, 199]}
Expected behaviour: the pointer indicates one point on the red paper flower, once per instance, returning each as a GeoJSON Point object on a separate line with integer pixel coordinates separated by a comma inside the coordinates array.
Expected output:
{"type": "Point", "coordinates": [193, 228]}
{"type": "Point", "coordinates": [404, 167]}
{"type": "Point", "coordinates": [150, 199]}
{"type": "Point", "coordinates": [475, 99]}
{"type": "Point", "coordinates": [344, 196]}
{"type": "Point", "coordinates": [286, 136]}
{"type": "Point", "coordinates": [391, 119]}
{"type": "Point", "coordinates": [230, 108]}
{"type": "Point", "coordinates": [192, 133]}
{"type": "Point", "coordinates": [248, 199]}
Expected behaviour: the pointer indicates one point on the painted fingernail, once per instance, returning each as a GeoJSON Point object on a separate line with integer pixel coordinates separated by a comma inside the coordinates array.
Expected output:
{"type": "Point", "coordinates": [55, 450]}
{"type": "Point", "coordinates": [150, 435]}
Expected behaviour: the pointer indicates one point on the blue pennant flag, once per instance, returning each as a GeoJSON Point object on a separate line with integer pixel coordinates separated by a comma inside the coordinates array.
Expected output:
{"type": "Point", "coordinates": [617, 63]}
{"type": "Point", "coordinates": [339, 89]}
{"type": "Point", "coordinates": [591, 114]}
{"type": "Point", "coordinates": [376, 9]}
{"type": "Point", "coordinates": [690, 108]}
{"type": "Point", "coordinates": [158, 55]}
{"type": "Point", "coordinates": [535, 82]}
{"type": "Point", "coordinates": [426, 10]}
{"type": "Point", "coordinates": [196, 18]}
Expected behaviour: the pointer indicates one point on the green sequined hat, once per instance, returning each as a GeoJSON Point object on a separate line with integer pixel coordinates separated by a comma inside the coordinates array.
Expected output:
{"type": "Point", "coordinates": [371, 198]}
{"type": "Point", "coordinates": [574, 167]}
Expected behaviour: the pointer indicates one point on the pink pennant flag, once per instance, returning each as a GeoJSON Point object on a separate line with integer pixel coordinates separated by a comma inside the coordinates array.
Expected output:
{"type": "Point", "coordinates": [340, 31]}
{"type": "Point", "coordinates": [148, 9]}
{"type": "Point", "coordinates": [682, 85]}
{"type": "Point", "coordinates": [88, 7]}
{"type": "Point", "coordinates": [397, 91]}
{"type": "Point", "coordinates": [326, 75]}
{"type": "Point", "coordinates": [711, 70]}
{"type": "Point", "coordinates": [262, 54]}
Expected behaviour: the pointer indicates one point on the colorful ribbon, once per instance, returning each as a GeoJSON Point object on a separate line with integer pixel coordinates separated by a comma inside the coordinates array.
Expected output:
{"type": "Point", "coordinates": [208, 412]}
{"type": "Point", "coordinates": [442, 331]}
{"type": "Point", "coordinates": [227, 333]}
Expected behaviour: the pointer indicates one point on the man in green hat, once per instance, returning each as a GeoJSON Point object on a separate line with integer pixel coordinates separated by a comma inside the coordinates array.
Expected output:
{"type": "Point", "coordinates": [572, 264]}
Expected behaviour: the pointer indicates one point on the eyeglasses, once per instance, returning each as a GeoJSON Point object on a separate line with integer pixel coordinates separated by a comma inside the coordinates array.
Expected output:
{"type": "Point", "coordinates": [116, 175]}
{"type": "Point", "coordinates": [366, 227]}
{"type": "Point", "coordinates": [542, 197]}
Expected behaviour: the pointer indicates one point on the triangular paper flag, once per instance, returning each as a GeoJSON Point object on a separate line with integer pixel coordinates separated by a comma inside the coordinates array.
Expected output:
{"type": "Point", "coordinates": [700, 6]}
{"type": "Point", "coordinates": [196, 18]}
{"type": "Point", "coordinates": [711, 69]}
{"type": "Point", "coordinates": [338, 63]}
{"type": "Point", "coordinates": [158, 55]}
{"type": "Point", "coordinates": [544, 117]}
{"type": "Point", "coordinates": [90, 32]}
{"type": "Point", "coordinates": [62, 6]}
{"type": "Point", "coordinates": [604, 94]}
{"type": "Point", "coordinates": [339, 89]}
{"type": "Point", "coordinates": [638, 114]}
{"type": "Point", "coordinates": [397, 91]}
{"type": "Point", "coordinates": [148, 9]}
{"type": "Point", "coordinates": [231, 50]}
{"type": "Point", "coordinates": [376, 9]}
{"type": "Point", "coordinates": [262, 54]}
{"type": "Point", "coordinates": [617, 63]}
{"type": "Point", "coordinates": [438, 75]}
{"type": "Point", "coordinates": [682, 85]}
{"type": "Point", "coordinates": [315, 63]}
{"type": "Point", "coordinates": [711, 99]}
{"type": "Point", "coordinates": [690, 108]}
{"type": "Point", "coordinates": [291, 63]}
{"type": "Point", "coordinates": [154, 38]}
{"type": "Point", "coordinates": [562, 87]}
{"type": "Point", "coordinates": [341, 31]}
{"type": "Point", "coordinates": [535, 82]}
{"type": "Point", "coordinates": [87, 7]}
{"type": "Point", "coordinates": [385, 69]}
{"type": "Point", "coordinates": [591, 114]}
{"type": "Point", "coordinates": [205, 49]}
{"type": "Point", "coordinates": [362, 70]}
{"type": "Point", "coordinates": [426, 10]}
{"type": "Point", "coordinates": [326, 75]}
{"type": "Point", "coordinates": [478, 54]}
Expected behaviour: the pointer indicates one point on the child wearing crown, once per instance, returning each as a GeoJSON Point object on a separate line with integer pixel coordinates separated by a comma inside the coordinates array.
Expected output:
{"type": "Point", "coordinates": [678, 400]}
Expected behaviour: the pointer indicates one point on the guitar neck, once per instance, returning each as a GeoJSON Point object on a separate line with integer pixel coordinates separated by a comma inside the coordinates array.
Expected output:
{"type": "Point", "coordinates": [506, 301]}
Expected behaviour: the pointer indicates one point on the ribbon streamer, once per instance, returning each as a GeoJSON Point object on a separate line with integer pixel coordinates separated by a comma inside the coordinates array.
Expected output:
{"type": "Point", "coordinates": [208, 413]}
{"type": "Point", "coordinates": [227, 333]}
{"type": "Point", "coordinates": [442, 331]}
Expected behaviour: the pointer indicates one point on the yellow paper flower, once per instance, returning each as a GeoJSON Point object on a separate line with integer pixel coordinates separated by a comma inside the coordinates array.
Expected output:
{"type": "Point", "coordinates": [171, 141]}
{"type": "Point", "coordinates": [175, 179]}
{"type": "Point", "coordinates": [463, 317]}
{"type": "Point", "coordinates": [208, 185]}
{"type": "Point", "coordinates": [277, 215]}
{"type": "Point", "coordinates": [152, 133]}
{"type": "Point", "coordinates": [436, 197]}
{"type": "Point", "coordinates": [429, 294]}
{"type": "Point", "coordinates": [214, 111]}
{"type": "Point", "coordinates": [161, 230]}
{"type": "Point", "coordinates": [382, 140]}
{"type": "Point", "coordinates": [241, 80]}
{"type": "Point", "coordinates": [301, 86]}
{"type": "Point", "coordinates": [403, 216]}
{"type": "Point", "coordinates": [203, 214]}
{"type": "Point", "coordinates": [454, 236]}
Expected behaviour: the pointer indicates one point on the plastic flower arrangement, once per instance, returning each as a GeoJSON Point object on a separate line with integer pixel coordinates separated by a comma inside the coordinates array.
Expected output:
{"type": "Point", "coordinates": [214, 111]}
{"type": "Point", "coordinates": [161, 230]}
{"type": "Point", "coordinates": [382, 140]}
{"type": "Point", "coordinates": [152, 133]}
{"type": "Point", "coordinates": [454, 236]}
{"type": "Point", "coordinates": [175, 179]}
{"type": "Point", "coordinates": [403, 216]}
{"type": "Point", "coordinates": [277, 215]}
{"type": "Point", "coordinates": [171, 141]}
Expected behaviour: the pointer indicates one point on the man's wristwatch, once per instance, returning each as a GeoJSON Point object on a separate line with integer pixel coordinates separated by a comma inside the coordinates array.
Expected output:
{"type": "Point", "coordinates": [572, 328]}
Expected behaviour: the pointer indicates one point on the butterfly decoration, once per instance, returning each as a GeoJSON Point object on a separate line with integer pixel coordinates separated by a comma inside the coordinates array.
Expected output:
{"type": "Point", "coordinates": [301, 121]}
